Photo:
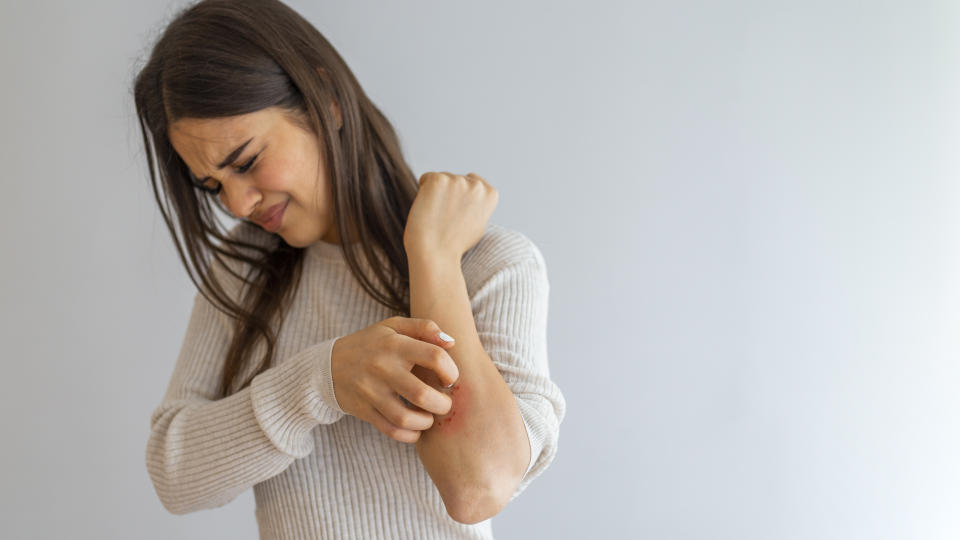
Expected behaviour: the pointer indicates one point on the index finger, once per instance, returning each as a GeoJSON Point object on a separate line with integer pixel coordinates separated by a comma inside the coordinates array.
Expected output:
{"type": "Point", "coordinates": [432, 357]}
{"type": "Point", "coordinates": [423, 396]}
{"type": "Point", "coordinates": [423, 329]}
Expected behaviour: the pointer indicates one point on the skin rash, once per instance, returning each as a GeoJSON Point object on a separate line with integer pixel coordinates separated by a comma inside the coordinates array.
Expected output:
{"type": "Point", "coordinates": [449, 422]}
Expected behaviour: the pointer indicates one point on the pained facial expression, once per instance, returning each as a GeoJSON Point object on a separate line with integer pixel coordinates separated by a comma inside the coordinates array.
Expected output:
{"type": "Point", "coordinates": [280, 164]}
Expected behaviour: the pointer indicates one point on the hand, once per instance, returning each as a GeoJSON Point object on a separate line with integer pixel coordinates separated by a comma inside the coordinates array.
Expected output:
{"type": "Point", "coordinates": [449, 214]}
{"type": "Point", "coordinates": [371, 367]}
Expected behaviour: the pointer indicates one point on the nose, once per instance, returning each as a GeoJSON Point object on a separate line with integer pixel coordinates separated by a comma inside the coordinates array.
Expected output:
{"type": "Point", "coordinates": [240, 198]}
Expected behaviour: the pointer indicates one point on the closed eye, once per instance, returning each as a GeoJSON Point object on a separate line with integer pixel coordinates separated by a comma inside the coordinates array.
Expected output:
{"type": "Point", "coordinates": [219, 187]}
{"type": "Point", "coordinates": [249, 164]}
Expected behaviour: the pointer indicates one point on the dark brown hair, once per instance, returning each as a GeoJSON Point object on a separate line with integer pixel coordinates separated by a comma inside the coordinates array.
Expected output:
{"type": "Point", "coordinates": [220, 58]}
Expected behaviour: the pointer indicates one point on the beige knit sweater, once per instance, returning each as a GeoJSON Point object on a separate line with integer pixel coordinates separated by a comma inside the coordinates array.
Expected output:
{"type": "Point", "coordinates": [317, 472]}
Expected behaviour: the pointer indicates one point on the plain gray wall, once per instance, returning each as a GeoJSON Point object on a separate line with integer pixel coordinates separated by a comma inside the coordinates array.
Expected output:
{"type": "Point", "coordinates": [748, 211]}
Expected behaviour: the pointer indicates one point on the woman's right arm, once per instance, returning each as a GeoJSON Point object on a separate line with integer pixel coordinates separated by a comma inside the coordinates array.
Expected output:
{"type": "Point", "coordinates": [202, 452]}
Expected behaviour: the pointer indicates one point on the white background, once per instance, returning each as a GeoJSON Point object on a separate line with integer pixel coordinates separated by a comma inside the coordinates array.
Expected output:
{"type": "Point", "coordinates": [748, 212]}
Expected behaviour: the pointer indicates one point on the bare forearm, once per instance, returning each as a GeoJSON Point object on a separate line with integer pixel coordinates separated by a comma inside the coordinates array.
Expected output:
{"type": "Point", "coordinates": [477, 453]}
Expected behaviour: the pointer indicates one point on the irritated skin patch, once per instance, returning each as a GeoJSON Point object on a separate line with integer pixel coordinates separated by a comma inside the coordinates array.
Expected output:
{"type": "Point", "coordinates": [450, 421]}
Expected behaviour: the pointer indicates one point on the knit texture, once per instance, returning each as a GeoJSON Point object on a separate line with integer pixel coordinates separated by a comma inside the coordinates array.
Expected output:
{"type": "Point", "coordinates": [318, 472]}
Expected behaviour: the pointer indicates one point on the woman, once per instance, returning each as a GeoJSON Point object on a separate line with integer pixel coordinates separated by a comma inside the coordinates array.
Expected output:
{"type": "Point", "coordinates": [317, 365]}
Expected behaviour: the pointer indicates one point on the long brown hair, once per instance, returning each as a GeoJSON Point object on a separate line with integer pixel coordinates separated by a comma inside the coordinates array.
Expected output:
{"type": "Point", "coordinates": [220, 58]}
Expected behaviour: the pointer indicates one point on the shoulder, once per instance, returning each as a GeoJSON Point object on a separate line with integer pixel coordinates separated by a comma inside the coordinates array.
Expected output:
{"type": "Point", "coordinates": [502, 250]}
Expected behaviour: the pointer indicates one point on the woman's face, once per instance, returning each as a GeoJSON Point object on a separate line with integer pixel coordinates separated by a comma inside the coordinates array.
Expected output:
{"type": "Point", "coordinates": [279, 164]}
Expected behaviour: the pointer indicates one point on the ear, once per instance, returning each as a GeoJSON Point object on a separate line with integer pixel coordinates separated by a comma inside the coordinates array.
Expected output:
{"type": "Point", "coordinates": [334, 106]}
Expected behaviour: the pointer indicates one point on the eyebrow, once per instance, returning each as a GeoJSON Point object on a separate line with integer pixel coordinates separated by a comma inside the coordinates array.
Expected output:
{"type": "Point", "coordinates": [231, 157]}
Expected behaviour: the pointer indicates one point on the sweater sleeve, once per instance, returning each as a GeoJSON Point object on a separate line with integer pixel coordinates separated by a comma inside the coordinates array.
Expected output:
{"type": "Point", "coordinates": [510, 311]}
{"type": "Point", "coordinates": [202, 452]}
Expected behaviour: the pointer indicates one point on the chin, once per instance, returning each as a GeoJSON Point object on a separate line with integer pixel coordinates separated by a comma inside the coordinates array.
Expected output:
{"type": "Point", "coordinates": [293, 241]}
{"type": "Point", "coordinates": [301, 238]}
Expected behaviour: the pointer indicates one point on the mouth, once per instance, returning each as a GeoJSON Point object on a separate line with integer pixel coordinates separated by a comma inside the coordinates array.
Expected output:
{"type": "Point", "coordinates": [272, 217]}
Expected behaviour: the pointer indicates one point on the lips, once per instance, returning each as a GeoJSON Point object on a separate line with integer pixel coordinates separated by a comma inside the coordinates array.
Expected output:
{"type": "Point", "coordinates": [266, 219]}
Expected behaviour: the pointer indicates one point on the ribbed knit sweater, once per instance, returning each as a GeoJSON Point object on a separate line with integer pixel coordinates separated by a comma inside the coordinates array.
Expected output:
{"type": "Point", "coordinates": [317, 472]}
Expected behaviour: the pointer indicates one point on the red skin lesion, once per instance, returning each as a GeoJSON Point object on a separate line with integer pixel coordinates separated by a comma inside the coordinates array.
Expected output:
{"type": "Point", "coordinates": [450, 421]}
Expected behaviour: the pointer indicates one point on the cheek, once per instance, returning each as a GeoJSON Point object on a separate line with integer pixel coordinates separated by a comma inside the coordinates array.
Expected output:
{"type": "Point", "coordinates": [274, 179]}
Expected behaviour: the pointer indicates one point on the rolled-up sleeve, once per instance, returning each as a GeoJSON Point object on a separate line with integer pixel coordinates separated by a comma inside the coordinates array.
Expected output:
{"type": "Point", "coordinates": [510, 311]}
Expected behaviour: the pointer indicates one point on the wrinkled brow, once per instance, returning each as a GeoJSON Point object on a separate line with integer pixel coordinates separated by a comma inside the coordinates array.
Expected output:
{"type": "Point", "coordinates": [231, 157]}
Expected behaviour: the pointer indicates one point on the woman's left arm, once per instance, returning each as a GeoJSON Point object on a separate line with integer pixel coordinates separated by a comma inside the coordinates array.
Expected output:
{"type": "Point", "coordinates": [478, 452]}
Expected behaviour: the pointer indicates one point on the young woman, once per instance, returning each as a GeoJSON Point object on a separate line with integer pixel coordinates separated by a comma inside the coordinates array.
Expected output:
{"type": "Point", "coordinates": [318, 366]}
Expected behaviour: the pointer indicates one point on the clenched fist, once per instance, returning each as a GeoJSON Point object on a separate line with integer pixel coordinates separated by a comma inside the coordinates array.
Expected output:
{"type": "Point", "coordinates": [449, 214]}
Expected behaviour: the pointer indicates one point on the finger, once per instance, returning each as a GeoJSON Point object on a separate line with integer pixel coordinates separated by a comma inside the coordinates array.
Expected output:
{"type": "Point", "coordinates": [429, 332]}
{"type": "Point", "coordinates": [421, 394]}
{"type": "Point", "coordinates": [384, 426]}
{"type": "Point", "coordinates": [422, 329]}
{"type": "Point", "coordinates": [431, 357]}
{"type": "Point", "coordinates": [393, 409]}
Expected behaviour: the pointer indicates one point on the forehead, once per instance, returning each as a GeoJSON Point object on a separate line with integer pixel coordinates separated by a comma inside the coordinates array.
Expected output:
{"type": "Point", "coordinates": [203, 142]}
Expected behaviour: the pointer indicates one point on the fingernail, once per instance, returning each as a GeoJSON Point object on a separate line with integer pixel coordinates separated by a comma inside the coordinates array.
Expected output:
{"type": "Point", "coordinates": [445, 337]}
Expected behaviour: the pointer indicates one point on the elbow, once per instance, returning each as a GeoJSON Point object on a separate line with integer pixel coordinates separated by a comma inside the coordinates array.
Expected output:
{"type": "Point", "coordinates": [481, 504]}
{"type": "Point", "coordinates": [171, 506]}
{"type": "Point", "coordinates": [179, 497]}
{"type": "Point", "coordinates": [176, 503]}
{"type": "Point", "coordinates": [163, 475]}
{"type": "Point", "coordinates": [176, 499]}
{"type": "Point", "coordinates": [171, 500]}
{"type": "Point", "coordinates": [476, 507]}
{"type": "Point", "coordinates": [484, 500]}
